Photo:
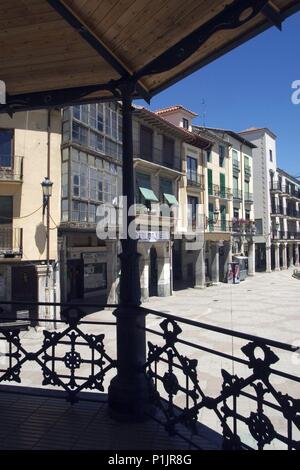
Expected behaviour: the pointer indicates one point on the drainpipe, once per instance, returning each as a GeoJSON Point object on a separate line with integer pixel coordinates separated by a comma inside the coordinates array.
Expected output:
{"type": "Point", "coordinates": [47, 291]}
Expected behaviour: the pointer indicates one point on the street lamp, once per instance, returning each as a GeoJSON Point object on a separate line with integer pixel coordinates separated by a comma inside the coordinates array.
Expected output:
{"type": "Point", "coordinates": [47, 192]}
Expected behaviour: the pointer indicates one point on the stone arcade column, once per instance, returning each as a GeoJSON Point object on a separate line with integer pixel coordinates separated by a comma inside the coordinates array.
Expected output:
{"type": "Point", "coordinates": [215, 267]}
{"type": "Point", "coordinates": [291, 255]}
{"type": "Point", "coordinates": [163, 270]}
{"type": "Point", "coordinates": [251, 258]}
{"type": "Point", "coordinates": [268, 259]}
{"type": "Point", "coordinates": [277, 257]}
{"type": "Point", "coordinates": [284, 255]}
{"type": "Point", "coordinates": [297, 263]}
{"type": "Point", "coordinates": [200, 270]}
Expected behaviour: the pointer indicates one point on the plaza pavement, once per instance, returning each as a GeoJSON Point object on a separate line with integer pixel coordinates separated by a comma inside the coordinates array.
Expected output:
{"type": "Point", "coordinates": [266, 305]}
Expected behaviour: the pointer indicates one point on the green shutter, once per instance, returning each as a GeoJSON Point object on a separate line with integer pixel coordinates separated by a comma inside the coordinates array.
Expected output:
{"type": "Point", "coordinates": [210, 181]}
{"type": "Point", "coordinates": [148, 194]}
{"type": "Point", "coordinates": [211, 211]}
{"type": "Point", "coordinates": [222, 185]}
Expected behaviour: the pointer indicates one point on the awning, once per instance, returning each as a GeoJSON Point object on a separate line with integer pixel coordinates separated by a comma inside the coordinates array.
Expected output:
{"type": "Point", "coordinates": [171, 199]}
{"type": "Point", "coordinates": [148, 194]}
{"type": "Point", "coordinates": [64, 51]}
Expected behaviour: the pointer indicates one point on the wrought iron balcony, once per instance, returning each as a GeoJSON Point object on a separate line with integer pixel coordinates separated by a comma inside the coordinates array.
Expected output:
{"type": "Point", "coordinates": [236, 166]}
{"type": "Point", "coordinates": [237, 194]}
{"type": "Point", "coordinates": [293, 235]}
{"type": "Point", "coordinates": [11, 242]}
{"type": "Point", "coordinates": [249, 198]}
{"type": "Point", "coordinates": [248, 171]}
{"type": "Point", "coordinates": [249, 408]}
{"type": "Point", "coordinates": [11, 168]}
{"type": "Point", "coordinates": [221, 226]}
{"type": "Point", "coordinates": [221, 192]}
{"type": "Point", "coordinates": [277, 187]}
{"type": "Point", "coordinates": [194, 179]}
{"type": "Point", "coordinates": [277, 210]}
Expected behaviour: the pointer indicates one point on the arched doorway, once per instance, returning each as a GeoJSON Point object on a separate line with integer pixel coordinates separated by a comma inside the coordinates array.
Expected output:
{"type": "Point", "coordinates": [153, 276]}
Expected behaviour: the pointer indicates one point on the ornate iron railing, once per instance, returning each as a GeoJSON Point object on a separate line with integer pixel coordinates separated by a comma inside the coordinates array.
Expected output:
{"type": "Point", "coordinates": [69, 357]}
{"type": "Point", "coordinates": [235, 390]}
{"type": "Point", "coordinates": [247, 402]}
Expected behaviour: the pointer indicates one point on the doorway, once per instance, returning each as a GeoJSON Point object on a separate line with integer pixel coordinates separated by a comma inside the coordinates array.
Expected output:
{"type": "Point", "coordinates": [153, 275]}
{"type": "Point", "coordinates": [75, 279]}
{"type": "Point", "coordinates": [25, 288]}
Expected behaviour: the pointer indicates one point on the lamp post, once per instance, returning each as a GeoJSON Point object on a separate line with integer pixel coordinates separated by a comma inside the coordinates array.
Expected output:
{"type": "Point", "coordinates": [47, 193]}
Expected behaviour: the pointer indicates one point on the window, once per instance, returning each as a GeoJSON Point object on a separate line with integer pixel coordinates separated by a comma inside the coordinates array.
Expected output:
{"type": "Point", "coordinates": [79, 134]}
{"type": "Point", "coordinates": [6, 210]}
{"type": "Point", "coordinates": [208, 154]}
{"type": "Point", "coordinates": [235, 187]}
{"type": "Point", "coordinates": [168, 151]}
{"type": "Point", "coordinates": [6, 147]}
{"type": "Point", "coordinates": [192, 167]}
{"type": "Point", "coordinates": [236, 213]}
{"type": "Point", "coordinates": [142, 181]}
{"type": "Point", "coordinates": [271, 155]}
{"type": "Point", "coordinates": [192, 209]}
{"type": "Point", "coordinates": [64, 210]}
{"type": "Point", "coordinates": [166, 187]}
{"type": "Point", "coordinates": [146, 143]}
{"type": "Point", "coordinates": [185, 123]}
{"type": "Point", "coordinates": [221, 156]}
{"type": "Point", "coordinates": [259, 226]}
{"type": "Point", "coordinates": [247, 214]}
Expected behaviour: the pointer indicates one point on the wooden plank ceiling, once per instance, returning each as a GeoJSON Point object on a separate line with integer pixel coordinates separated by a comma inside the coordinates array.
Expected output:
{"type": "Point", "coordinates": [41, 51]}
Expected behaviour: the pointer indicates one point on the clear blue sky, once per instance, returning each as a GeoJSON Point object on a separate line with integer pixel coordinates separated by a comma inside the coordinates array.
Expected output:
{"type": "Point", "coordinates": [250, 86]}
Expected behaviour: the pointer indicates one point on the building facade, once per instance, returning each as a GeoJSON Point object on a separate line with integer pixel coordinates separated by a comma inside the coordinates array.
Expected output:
{"type": "Point", "coordinates": [241, 178]}
{"type": "Point", "coordinates": [276, 203]}
{"type": "Point", "coordinates": [285, 219]}
{"type": "Point", "coordinates": [91, 176]}
{"type": "Point", "coordinates": [28, 251]}
{"type": "Point", "coordinates": [212, 192]}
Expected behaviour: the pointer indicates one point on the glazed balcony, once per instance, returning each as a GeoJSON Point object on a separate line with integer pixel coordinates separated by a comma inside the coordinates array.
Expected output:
{"type": "Point", "coordinates": [55, 384]}
{"type": "Point", "coordinates": [11, 169]}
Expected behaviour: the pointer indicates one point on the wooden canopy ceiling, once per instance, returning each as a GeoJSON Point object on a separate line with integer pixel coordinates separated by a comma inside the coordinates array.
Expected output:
{"type": "Point", "coordinates": [56, 51]}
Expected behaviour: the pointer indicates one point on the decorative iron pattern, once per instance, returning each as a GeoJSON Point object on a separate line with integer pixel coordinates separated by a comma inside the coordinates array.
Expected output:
{"type": "Point", "coordinates": [62, 356]}
{"type": "Point", "coordinates": [180, 375]}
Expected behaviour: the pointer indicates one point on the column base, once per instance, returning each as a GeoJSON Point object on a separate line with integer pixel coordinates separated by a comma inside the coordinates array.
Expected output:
{"type": "Point", "coordinates": [130, 402]}
{"type": "Point", "coordinates": [216, 283]}
{"type": "Point", "coordinates": [251, 275]}
{"type": "Point", "coordinates": [199, 287]}
{"type": "Point", "coordinates": [277, 270]}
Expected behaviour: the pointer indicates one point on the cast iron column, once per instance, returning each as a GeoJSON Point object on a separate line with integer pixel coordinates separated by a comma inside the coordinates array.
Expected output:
{"type": "Point", "coordinates": [129, 393]}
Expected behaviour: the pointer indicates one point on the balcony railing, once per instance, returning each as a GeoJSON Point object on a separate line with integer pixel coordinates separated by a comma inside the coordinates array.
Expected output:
{"type": "Point", "coordinates": [237, 194]}
{"type": "Point", "coordinates": [222, 226]}
{"type": "Point", "coordinates": [285, 189]}
{"type": "Point", "coordinates": [221, 192]}
{"type": "Point", "coordinates": [249, 198]}
{"type": "Point", "coordinates": [236, 166]}
{"type": "Point", "coordinates": [286, 235]}
{"type": "Point", "coordinates": [253, 407]}
{"type": "Point", "coordinates": [194, 179]}
{"type": "Point", "coordinates": [11, 169]}
{"type": "Point", "coordinates": [156, 156]}
{"type": "Point", "coordinates": [248, 171]}
{"type": "Point", "coordinates": [11, 241]}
